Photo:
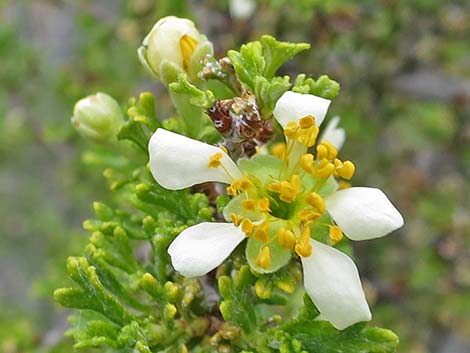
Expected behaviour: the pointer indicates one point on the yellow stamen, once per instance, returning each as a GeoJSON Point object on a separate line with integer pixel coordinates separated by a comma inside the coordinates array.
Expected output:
{"type": "Point", "coordinates": [214, 161]}
{"type": "Point", "coordinates": [332, 152]}
{"type": "Point", "coordinates": [237, 220]}
{"type": "Point", "coordinates": [274, 187]}
{"type": "Point", "coordinates": [306, 122]}
{"type": "Point", "coordinates": [249, 205]}
{"type": "Point", "coordinates": [187, 47]}
{"type": "Point", "coordinates": [244, 184]}
{"type": "Point", "coordinates": [231, 191]}
{"type": "Point", "coordinates": [261, 232]}
{"type": "Point", "coordinates": [279, 150]}
{"type": "Point", "coordinates": [247, 227]}
{"type": "Point", "coordinates": [303, 247]}
{"type": "Point", "coordinates": [308, 136]}
{"type": "Point", "coordinates": [263, 205]}
{"type": "Point", "coordinates": [322, 152]}
{"type": "Point", "coordinates": [264, 258]}
{"type": "Point", "coordinates": [337, 162]}
{"type": "Point", "coordinates": [316, 201]}
{"type": "Point", "coordinates": [291, 129]}
{"type": "Point", "coordinates": [286, 238]}
{"type": "Point", "coordinates": [306, 163]}
{"type": "Point", "coordinates": [325, 171]}
{"type": "Point", "coordinates": [308, 216]}
{"type": "Point", "coordinates": [344, 184]}
{"type": "Point", "coordinates": [335, 234]}
{"type": "Point", "coordinates": [347, 170]}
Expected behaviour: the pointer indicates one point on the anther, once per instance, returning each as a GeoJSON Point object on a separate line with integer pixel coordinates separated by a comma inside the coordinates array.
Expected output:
{"type": "Point", "coordinates": [263, 205]}
{"type": "Point", "coordinates": [249, 205]}
{"type": "Point", "coordinates": [247, 227]}
{"type": "Point", "coordinates": [335, 234]}
{"type": "Point", "coordinates": [306, 163]}
{"type": "Point", "coordinates": [264, 258]}
{"type": "Point", "coordinates": [306, 122]}
{"type": "Point", "coordinates": [332, 152]}
{"type": "Point", "coordinates": [322, 152]}
{"type": "Point", "coordinates": [237, 220]}
{"type": "Point", "coordinates": [291, 129]}
{"type": "Point", "coordinates": [316, 201]}
{"type": "Point", "coordinates": [261, 232]}
{"type": "Point", "coordinates": [308, 216]}
{"type": "Point", "coordinates": [347, 170]}
{"type": "Point", "coordinates": [214, 161]}
{"type": "Point", "coordinates": [286, 238]}
{"type": "Point", "coordinates": [326, 171]}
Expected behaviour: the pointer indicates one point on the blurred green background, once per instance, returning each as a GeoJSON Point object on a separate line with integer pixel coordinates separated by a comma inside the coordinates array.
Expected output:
{"type": "Point", "coordinates": [404, 70]}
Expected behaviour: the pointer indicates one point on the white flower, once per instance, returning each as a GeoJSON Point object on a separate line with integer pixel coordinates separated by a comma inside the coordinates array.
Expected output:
{"type": "Point", "coordinates": [330, 277]}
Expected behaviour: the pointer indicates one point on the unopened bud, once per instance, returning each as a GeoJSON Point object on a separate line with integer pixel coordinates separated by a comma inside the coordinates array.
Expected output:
{"type": "Point", "coordinates": [169, 49]}
{"type": "Point", "coordinates": [98, 117]}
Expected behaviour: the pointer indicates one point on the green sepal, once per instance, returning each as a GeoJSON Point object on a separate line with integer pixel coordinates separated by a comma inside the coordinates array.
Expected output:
{"type": "Point", "coordinates": [202, 50]}
{"type": "Point", "coordinates": [169, 72]}
{"type": "Point", "coordinates": [322, 87]}
{"type": "Point", "coordinates": [264, 167]}
{"type": "Point", "coordinates": [279, 255]}
{"type": "Point", "coordinates": [235, 207]}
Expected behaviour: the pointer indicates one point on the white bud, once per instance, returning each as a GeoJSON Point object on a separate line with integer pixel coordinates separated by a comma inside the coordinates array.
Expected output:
{"type": "Point", "coordinates": [172, 41]}
{"type": "Point", "coordinates": [98, 117]}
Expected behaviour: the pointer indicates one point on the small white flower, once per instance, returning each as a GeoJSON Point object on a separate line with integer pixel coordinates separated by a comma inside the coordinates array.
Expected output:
{"type": "Point", "coordinates": [242, 9]}
{"type": "Point", "coordinates": [330, 277]}
{"type": "Point", "coordinates": [334, 134]}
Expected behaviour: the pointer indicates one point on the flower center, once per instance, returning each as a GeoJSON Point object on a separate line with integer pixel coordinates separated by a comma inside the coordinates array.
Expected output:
{"type": "Point", "coordinates": [282, 209]}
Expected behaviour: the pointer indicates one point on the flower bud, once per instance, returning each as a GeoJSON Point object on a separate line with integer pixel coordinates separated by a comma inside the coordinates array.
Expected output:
{"type": "Point", "coordinates": [98, 117]}
{"type": "Point", "coordinates": [172, 47]}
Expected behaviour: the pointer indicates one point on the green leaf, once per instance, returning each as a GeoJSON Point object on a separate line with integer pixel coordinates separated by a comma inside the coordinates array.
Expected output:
{"type": "Point", "coordinates": [198, 98]}
{"type": "Point", "coordinates": [322, 87]}
{"type": "Point", "coordinates": [91, 294]}
{"type": "Point", "coordinates": [89, 329]}
{"type": "Point", "coordinates": [321, 336]}
{"type": "Point", "coordinates": [257, 62]}
{"type": "Point", "coordinates": [142, 121]}
{"type": "Point", "coordinates": [277, 53]}
{"type": "Point", "coordinates": [237, 306]}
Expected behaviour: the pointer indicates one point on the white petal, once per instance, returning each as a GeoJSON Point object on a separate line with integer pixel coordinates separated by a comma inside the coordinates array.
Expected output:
{"type": "Point", "coordinates": [201, 248]}
{"type": "Point", "coordinates": [242, 9]}
{"type": "Point", "coordinates": [363, 213]}
{"type": "Point", "coordinates": [176, 161]}
{"type": "Point", "coordinates": [293, 106]}
{"type": "Point", "coordinates": [333, 134]}
{"type": "Point", "coordinates": [332, 281]}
